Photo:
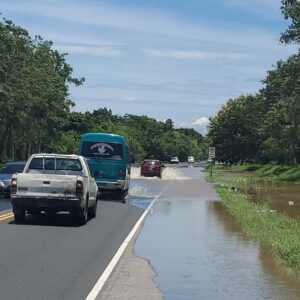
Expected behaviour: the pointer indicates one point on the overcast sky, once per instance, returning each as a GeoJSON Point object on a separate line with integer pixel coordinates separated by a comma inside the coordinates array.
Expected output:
{"type": "Point", "coordinates": [161, 58]}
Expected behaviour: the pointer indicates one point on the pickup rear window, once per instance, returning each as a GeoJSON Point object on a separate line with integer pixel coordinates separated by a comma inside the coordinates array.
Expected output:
{"type": "Point", "coordinates": [102, 150]}
{"type": "Point", "coordinates": [55, 164]}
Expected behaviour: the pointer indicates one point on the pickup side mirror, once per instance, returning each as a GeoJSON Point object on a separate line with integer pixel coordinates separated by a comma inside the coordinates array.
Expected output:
{"type": "Point", "coordinates": [162, 165]}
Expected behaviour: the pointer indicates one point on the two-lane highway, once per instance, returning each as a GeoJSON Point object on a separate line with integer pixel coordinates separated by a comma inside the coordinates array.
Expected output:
{"type": "Point", "coordinates": [49, 257]}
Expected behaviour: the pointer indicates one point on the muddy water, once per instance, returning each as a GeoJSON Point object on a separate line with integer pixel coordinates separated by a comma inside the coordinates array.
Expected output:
{"type": "Point", "coordinates": [198, 252]}
{"type": "Point", "coordinates": [281, 196]}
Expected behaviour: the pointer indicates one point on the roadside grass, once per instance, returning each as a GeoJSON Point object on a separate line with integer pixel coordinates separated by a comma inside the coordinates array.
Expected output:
{"type": "Point", "coordinates": [279, 232]}
{"type": "Point", "coordinates": [279, 172]}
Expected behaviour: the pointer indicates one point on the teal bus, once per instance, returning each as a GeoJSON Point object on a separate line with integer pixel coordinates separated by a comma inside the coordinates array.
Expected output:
{"type": "Point", "coordinates": [108, 157]}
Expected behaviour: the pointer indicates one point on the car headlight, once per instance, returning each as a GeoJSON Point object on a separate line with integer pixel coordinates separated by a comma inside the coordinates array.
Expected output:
{"type": "Point", "coordinates": [2, 183]}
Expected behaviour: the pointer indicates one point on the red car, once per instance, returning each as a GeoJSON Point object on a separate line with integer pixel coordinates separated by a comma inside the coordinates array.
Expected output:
{"type": "Point", "coordinates": [151, 167]}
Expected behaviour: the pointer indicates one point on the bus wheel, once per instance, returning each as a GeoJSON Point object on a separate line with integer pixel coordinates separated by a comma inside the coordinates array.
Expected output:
{"type": "Point", "coordinates": [121, 195]}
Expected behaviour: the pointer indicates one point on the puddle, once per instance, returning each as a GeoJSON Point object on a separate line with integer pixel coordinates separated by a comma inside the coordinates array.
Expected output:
{"type": "Point", "coordinates": [4, 203]}
{"type": "Point", "coordinates": [280, 196]}
{"type": "Point", "coordinates": [140, 202]}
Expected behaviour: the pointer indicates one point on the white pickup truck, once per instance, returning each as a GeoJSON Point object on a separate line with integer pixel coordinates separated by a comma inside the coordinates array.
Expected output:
{"type": "Point", "coordinates": [53, 183]}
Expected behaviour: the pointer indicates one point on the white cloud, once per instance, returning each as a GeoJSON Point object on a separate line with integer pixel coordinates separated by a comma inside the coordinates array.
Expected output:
{"type": "Point", "coordinates": [107, 51]}
{"type": "Point", "coordinates": [130, 98]}
{"type": "Point", "coordinates": [195, 55]}
{"type": "Point", "coordinates": [201, 125]}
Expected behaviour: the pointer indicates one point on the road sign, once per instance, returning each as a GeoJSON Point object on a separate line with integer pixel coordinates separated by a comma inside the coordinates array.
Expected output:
{"type": "Point", "coordinates": [212, 152]}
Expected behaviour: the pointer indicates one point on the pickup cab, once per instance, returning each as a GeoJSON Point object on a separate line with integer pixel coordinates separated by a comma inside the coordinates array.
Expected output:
{"type": "Point", "coordinates": [53, 183]}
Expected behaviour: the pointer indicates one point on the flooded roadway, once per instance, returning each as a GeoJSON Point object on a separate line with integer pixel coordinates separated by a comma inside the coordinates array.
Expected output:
{"type": "Point", "coordinates": [198, 252]}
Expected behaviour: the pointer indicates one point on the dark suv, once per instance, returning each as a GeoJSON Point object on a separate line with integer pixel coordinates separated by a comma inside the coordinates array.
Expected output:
{"type": "Point", "coordinates": [151, 167]}
{"type": "Point", "coordinates": [6, 174]}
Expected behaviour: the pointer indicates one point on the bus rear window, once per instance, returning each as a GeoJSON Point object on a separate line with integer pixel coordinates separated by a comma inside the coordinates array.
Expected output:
{"type": "Point", "coordinates": [102, 150]}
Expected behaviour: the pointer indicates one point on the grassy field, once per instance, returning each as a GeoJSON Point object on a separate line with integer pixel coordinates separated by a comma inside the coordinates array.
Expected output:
{"type": "Point", "coordinates": [279, 232]}
{"type": "Point", "coordinates": [281, 172]}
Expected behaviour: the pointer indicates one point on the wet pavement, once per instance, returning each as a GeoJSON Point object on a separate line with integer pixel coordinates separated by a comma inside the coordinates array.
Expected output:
{"type": "Point", "coordinates": [198, 252]}
{"type": "Point", "coordinates": [4, 203]}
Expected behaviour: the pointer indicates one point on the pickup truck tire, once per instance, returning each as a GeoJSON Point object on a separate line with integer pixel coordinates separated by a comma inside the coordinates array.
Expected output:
{"type": "Point", "coordinates": [20, 216]}
{"type": "Point", "coordinates": [83, 215]}
{"type": "Point", "coordinates": [93, 210]}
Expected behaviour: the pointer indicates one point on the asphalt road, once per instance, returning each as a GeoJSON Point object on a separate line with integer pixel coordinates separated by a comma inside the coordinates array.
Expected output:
{"type": "Point", "coordinates": [51, 258]}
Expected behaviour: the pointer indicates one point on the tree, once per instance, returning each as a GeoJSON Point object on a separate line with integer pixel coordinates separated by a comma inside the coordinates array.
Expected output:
{"type": "Point", "coordinates": [291, 11]}
{"type": "Point", "coordinates": [34, 97]}
{"type": "Point", "coordinates": [234, 131]}
{"type": "Point", "coordinates": [168, 125]}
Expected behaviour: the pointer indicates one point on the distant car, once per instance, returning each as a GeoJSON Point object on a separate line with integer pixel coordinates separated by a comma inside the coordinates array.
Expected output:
{"type": "Point", "coordinates": [6, 174]}
{"type": "Point", "coordinates": [174, 160]}
{"type": "Point", "coordinates": [151, 167]}
{"type": "Point", "coordinates": [191, 159]}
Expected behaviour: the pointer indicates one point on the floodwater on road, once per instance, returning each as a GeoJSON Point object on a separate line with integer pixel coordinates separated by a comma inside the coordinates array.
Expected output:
{"type": "Point", "coordinates": [198, 252]}
{"type": "Point", "coordinates": [4, 203]}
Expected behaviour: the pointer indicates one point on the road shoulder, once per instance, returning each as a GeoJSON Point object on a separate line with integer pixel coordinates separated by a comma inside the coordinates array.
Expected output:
{"type": "Point", "coordinates": [131, 279]}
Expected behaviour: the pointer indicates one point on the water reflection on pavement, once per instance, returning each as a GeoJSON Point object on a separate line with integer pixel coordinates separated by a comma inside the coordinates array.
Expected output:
{"type": "Point", "coordinates": [4, 203]}
{"type": "Point", "coordinates": [198, 252]}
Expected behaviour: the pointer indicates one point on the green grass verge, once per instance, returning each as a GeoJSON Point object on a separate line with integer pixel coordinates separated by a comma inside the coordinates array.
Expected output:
{"type": "Point", "coordinates": [280, 172]}
{"type": "Point", "coordinates": [279, 232]}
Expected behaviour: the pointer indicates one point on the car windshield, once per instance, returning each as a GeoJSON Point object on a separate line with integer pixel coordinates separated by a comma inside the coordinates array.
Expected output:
{"type": "Point", "coordinates": [12, 168]}
{"type": "Point", "coordinates": [102, 150]}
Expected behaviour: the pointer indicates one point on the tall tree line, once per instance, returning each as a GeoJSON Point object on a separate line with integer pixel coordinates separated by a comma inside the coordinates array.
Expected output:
{"type": "Point", "coordinates": [265, 127]}
{"type": "Point", "coordinates": [34, 102]}
{"type": "Point", "coordinates": [147, 137]}
{"type": "Point", "coordinates": [35, 107]}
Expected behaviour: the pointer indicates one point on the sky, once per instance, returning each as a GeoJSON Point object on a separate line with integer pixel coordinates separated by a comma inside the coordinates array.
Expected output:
{"type": "Point", "coordinates": [161, 58]}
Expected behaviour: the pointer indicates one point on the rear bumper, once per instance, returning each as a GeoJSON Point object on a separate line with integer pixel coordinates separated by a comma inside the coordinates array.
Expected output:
{"type": "Point", "coordinates": [150, 173]}
{"type": "Point", "coordinates": [54, 203]}
{"type": "Point", "coordinates": [111, 185]}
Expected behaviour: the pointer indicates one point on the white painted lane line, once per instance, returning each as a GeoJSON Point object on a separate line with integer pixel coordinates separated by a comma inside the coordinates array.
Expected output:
{"type": "Point", "coordinates": [105, 275]}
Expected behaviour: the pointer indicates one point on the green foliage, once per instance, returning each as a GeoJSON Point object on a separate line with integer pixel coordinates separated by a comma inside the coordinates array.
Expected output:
{"type": "Point", "coordinates": [147, 137]}
{"type": "Point", "coordinates": [34, 101]}
{"type": "Point", "coordinates": [234, 130]}
{"type": "Point", "coordinates": [264, 127]}
{"type": "Point", "coordinates": [291, 11]}
{"type": "Point", "coordinates": [274, 171]}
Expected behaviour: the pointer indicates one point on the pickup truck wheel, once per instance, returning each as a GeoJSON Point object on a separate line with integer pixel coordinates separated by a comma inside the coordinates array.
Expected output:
{"type": "Point", "coordinates": [20, 216]}
{"type": "Point", "coordinates": [93, 210]}
{"type": "Point", "coordinates": [83, 217]}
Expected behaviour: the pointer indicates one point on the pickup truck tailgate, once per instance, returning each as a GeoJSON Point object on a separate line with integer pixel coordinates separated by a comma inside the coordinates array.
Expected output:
{"type": "Point", "coordinates": [46, 185]}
